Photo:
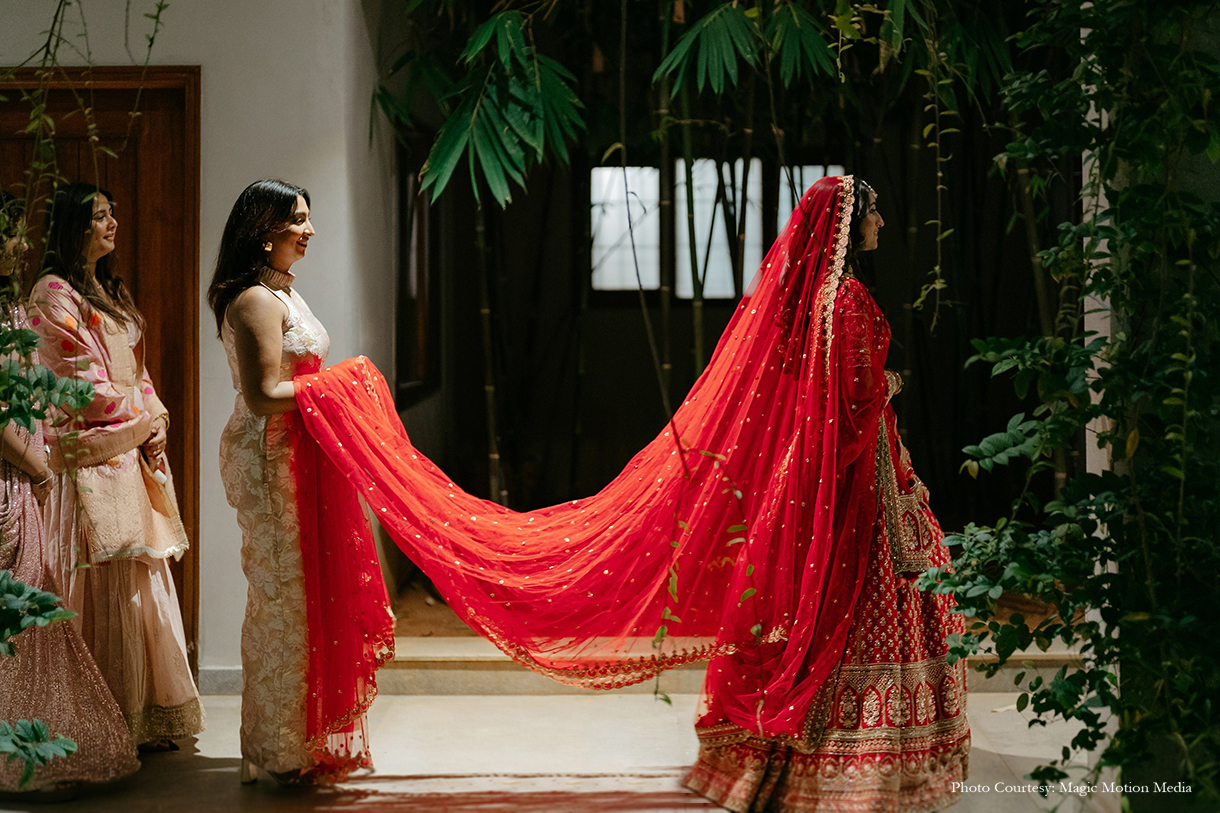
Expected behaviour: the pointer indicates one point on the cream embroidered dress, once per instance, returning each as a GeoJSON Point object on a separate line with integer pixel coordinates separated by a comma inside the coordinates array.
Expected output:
{"type": "Point", "coordinates": [256, 466]}
{"type": "Point", "coordinates": [110, 513]}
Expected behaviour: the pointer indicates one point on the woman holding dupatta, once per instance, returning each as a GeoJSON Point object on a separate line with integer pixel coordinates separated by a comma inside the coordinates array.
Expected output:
{"type": "Point", "coordinates": [773, 528]}
{"type": "Point", "coordinates": [317, 621]}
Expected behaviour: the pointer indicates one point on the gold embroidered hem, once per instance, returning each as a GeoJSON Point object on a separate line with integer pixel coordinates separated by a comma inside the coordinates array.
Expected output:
{"type": "Point", "coordinates": [166, 723]}
{"type": "Point", "coordinates": [761, 776]}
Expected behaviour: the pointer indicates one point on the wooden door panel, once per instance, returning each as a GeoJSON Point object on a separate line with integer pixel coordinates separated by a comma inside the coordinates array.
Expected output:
{"type": "Point", "coordinates": [154, 181]}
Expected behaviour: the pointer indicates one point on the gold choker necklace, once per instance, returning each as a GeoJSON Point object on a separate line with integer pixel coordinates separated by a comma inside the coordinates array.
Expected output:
{"type": "Point", "coordinates": [280, 280]}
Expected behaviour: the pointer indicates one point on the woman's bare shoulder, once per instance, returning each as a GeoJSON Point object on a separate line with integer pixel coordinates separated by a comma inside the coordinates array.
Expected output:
{"type": "Point", "coordinates": [254, 305]}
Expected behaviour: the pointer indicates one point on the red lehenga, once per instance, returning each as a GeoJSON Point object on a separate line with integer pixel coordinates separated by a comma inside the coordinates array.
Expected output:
{"type": "Point", "coordinates": [761, 530]}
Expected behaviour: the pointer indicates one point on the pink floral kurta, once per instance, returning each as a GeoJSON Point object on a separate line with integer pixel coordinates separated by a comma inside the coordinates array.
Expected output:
{"type": "Point", "coordinates": [126, 599]}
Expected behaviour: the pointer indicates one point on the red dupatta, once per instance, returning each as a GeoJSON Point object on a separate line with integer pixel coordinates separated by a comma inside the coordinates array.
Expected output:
{"type": "Point", "coordinates": [351, 627]}
{"type": "Point", "coordinates": [747, 548]}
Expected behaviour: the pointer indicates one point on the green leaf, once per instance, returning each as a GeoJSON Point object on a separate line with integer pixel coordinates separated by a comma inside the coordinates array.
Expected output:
{"type": "Point", "coordinates": [798, 41]}
{"type": "Point", "coordinates": [895, 23]}
{"type": "Point", "coordinates": [484, 153]}
{"type": "Point", "coordinates": [447, 150]}
{"type": "Point", "coordinates": [843, 16]}
{"type": "Point", "coordinates": [715, 43]}
{"type": "Point", "coordinates": [479, 39]}
{"type": "Point", "coordinates": [747, 593]}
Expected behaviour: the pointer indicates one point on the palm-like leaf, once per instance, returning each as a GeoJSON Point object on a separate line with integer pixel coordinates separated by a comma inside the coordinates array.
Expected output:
{"type": "Point", "coordinates": [977, 46]}
{"type": "Point", "coordinates": [512, 109]}
{"type": "Point", "coordinates": [796, 40]}
{"type": "Point", "coordinates": [714, 44]}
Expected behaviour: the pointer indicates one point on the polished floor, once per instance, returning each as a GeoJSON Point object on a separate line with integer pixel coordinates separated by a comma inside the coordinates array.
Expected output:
{"type": "Point", "coordinates": [589, 753]}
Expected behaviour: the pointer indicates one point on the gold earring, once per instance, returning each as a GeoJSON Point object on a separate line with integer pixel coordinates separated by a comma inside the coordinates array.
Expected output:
{"type": "Point", "coordinates": [267, 246]}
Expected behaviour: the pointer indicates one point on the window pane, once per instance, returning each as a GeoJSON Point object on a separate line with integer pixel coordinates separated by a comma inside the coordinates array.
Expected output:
{"type": "Point", "coordinates": [716, 269]}
{"type": "Point", "coordinates": [803, 177]}
{"type": "Point", "coordinates": [613, 265]}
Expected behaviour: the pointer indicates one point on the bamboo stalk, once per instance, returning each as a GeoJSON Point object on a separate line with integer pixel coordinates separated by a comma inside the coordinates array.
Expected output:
{"type": "Point", "coordinates": [696, 282]}
{"type": "Point", "coordinates": [495, 483]}
{"type": "Point", "coordinates": [666, 213]}
{"type": "Point", "coordinates": [747, 154]}
{"type": "Point", "coordinates": [1042, 286]}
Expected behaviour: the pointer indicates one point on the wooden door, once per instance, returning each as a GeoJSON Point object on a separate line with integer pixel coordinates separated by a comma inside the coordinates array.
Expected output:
{"type": "Point", "coordinates": [154, 182]}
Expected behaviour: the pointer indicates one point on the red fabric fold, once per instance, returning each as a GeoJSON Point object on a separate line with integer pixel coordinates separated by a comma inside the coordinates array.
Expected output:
{"type": "Point", "coordinates": [351, 626]}
{"type": "Point", "coordinates": [747, 547]}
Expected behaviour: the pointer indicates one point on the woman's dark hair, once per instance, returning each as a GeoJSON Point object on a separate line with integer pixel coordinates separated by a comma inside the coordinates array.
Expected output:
{"type": "Point", "coordinates": [68, 231]}
{"type": "Point", "coordinates": [861, 192]}
{"type": "Point", "coordinates": [263, 207]}
{"type": "Point", "coordinates": [12, 210]}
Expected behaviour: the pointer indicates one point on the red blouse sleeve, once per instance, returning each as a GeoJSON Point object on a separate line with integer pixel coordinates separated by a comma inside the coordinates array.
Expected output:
{"type": "Point", "coordinates": [862, 341]}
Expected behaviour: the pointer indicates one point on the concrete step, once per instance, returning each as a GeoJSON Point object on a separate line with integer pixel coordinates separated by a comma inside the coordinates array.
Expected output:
{"type": "Point", "coordinates": [474, 666]}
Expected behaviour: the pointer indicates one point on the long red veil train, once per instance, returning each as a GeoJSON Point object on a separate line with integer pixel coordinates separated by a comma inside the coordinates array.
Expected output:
{"type": "Point", "coordinates": [745, 535]}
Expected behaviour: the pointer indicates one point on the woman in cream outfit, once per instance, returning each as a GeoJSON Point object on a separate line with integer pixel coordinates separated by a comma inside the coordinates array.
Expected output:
{"type": "Point", "coordinates": [269, 336]}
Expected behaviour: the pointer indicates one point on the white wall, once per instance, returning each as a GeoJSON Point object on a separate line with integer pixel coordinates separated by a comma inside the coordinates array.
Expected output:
{"type": "Point", "coordinates": [286, 88]}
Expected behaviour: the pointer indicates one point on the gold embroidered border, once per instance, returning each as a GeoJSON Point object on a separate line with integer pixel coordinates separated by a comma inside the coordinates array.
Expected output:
{"type": "Point", "coordinates": [820, 735]}
{"type": "Point", "coordinates": [829, 290]}
{"type": "Point", "coordinates": [916, 782]}
{"type": "Point", "coordinates": [909, 552]}
{"type": "Point", "coordinates": [166, 722]}
{"type": "Point", "coordinates": [340, 764]}
{"type": "Point", "coordinates": [816, 721]}
{"type": "Point", "coordinates": [617, 674]}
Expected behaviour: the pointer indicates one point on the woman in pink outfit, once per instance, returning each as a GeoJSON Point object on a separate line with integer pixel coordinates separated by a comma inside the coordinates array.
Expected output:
{"type": "Point", "coordinates": [52, 676]}
{"type": "Point", "coordinates": [112, 503]}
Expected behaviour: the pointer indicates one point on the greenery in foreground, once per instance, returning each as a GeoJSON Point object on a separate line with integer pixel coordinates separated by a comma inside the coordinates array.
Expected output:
{"type": "Point", "coordinates": [1129, 558]}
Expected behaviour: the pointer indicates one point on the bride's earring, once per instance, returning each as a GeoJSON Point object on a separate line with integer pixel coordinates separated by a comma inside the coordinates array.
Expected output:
{"type": "Point", "coordinates": [267, 246]}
